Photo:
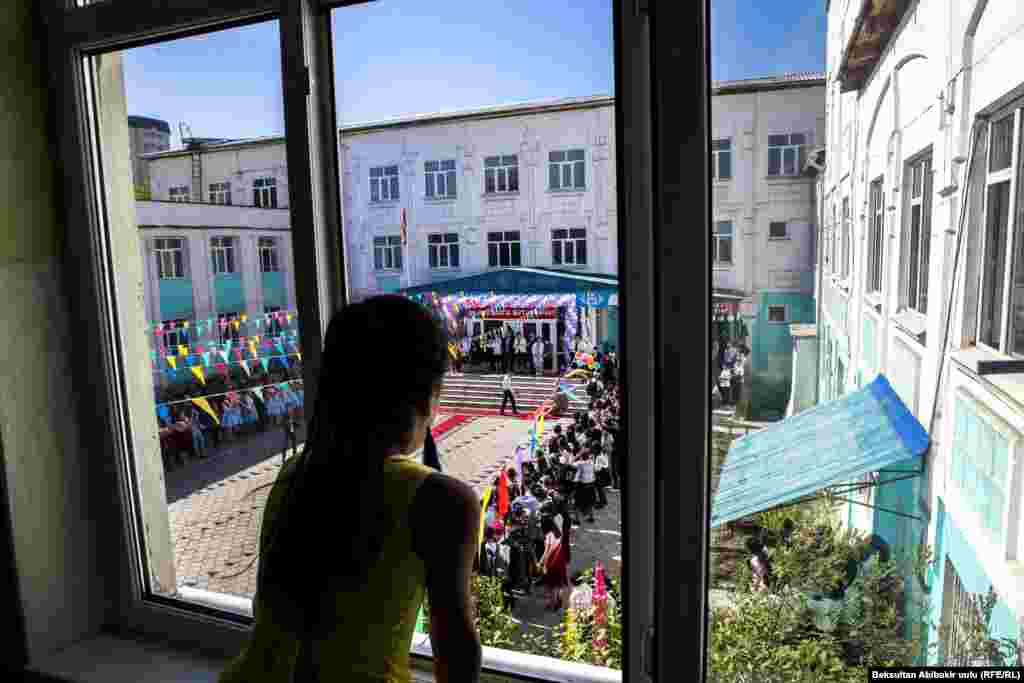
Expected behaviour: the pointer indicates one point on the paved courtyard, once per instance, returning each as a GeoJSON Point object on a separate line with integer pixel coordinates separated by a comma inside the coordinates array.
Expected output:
{"type": "Point", "coordinates": [215, 526]}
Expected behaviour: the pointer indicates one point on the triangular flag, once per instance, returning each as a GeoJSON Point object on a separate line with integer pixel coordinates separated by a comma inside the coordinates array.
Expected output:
{"type": "Point", "coordinates": [300, 357]}
{"type": "Point", "coordinates": [259, 322]}
{"type": "Point", "coordinates": [289, 317]}
{"type": "Point", "coordinates": [266, 364]}
{"type": "Point", "coordinates": [503, 494]}
{"type": "Point", "coordinates": [198, 372]}
{"type": "Point", "coordinates": [245, 366]}
{"type": "Point", "coordinates": [540, 426]}
{"type": "Point", "coordinates": [284, 361]}
{"type": "Point", "coordinates": [224, 355]}
{"type": "Point", "coordinates": [483, 514]}
{"type": "Point", "coordinates": [206, 358]}
{"type": "Point", "coordinates": [236, 323]}
{"type": "Point", "coordinates": [227, 345]}
{"type": "Point", "coordinates": [258, 391]}
{"type": "Point", "coordinates": [238, 352]}
{"type": "Point", "coordinates": [280, 347]}
{"type": "Point", "coordinates": [172, 361]}
{"type": "Point", "coordinates": [202, 403]}
{"type": "Point", "coordinates": [152, 355]}
{"type": "Point", "coordinates": [182, 350]}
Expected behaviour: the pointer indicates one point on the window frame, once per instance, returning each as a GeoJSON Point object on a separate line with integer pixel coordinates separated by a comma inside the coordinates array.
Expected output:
{"type": "Point", "coordinates": [435, 250]}
{"type": "Point", "coordinates": [179, 193]}
{"type": "Point", "coordinates": [717, 238]}
{"type": "Point", "coordinates": [442, 170]}
{"type": "Point", "coordinates": [785, 231]}
{"type": "Point", "coordinates": [393, 184]}
{"type": "Point", "coordinates": [875, 262]}
{"type": "Point", "coordinates": [158, 250]}
{"type": "Point", "coordinates": [922, 260]}
{"type": "Point", "coordinates": [227, 248]}
{"type": "Point", "coordinates": [568, 239]}
{"type": "Point", "coordinates": [220, 193]}
{"type": "Point", "coordinates": [721, 147]}
{"type": "Point", "coordinates": [392, 247]}
{"type": "Point", "coordinates": [499, 243]}
{"type": "Point", "coordinates": [654, 402]}
{"type": "Point", "coordinates": [502, 168]}
{"type": "Point", "coordinates": [785, 314]}
{"type": "Point", "coordinates": [1012, 176]}
{"type": "Point", "coordinates": [800, 151]}
{"type": "Point", "coordinates": [265, 186]}
{"type": "Point", "coordinates": [566, 164]}
{"type": "Point", "coordinates": [269, 247]}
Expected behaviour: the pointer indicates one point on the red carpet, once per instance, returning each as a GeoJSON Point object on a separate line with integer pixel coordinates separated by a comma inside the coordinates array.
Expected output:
{"type": "Point", "coordinates": [448, 423]}
{"type": "Point", "coordinates": [493, 412]}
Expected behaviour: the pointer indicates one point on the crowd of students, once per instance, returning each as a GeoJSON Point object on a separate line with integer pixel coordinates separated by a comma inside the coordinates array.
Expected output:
{"type": "Point", "coordinates": [508, 350]}
{"type": "Point", "coordinates": [560, 487]}
{"type": "Point", "coordinates": [188, 429]}
{"type": "Point", "coordinates": [727, 363]}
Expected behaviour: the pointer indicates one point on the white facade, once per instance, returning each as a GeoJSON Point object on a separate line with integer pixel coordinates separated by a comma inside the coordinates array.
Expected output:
{"type": "Point", "coordinates": [946, 66]}
{"type": "Point", "coordinates": [528, 133]}
{"type": "Point", "coordinates": [743, 116]}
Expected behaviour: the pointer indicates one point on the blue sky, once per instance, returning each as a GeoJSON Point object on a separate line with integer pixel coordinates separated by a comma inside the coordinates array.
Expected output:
{"type": "Point", "coordinates": [399, 57]}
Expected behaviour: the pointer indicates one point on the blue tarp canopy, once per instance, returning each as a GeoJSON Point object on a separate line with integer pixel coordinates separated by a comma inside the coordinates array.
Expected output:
{"type": "Point", "coordinates": [835, 443]}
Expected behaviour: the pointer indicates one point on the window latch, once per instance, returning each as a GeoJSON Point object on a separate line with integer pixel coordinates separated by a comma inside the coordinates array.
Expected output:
{"type": "Point", "coordinates": [647, 658]}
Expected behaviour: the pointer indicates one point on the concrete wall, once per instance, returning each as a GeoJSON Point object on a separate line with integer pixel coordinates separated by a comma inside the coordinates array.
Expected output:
{"type": "Point", "coordinates": [946, 62]}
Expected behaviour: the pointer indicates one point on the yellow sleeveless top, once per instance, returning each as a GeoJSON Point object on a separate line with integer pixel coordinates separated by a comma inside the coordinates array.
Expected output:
{"type": "Point", "coordinates": [375, 623]}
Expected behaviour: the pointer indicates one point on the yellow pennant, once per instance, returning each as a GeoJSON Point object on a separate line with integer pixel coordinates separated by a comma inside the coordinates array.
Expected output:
{"type": "Point", "coordinates": [201, 402]}
{"type": "Point", "coordinates": [182, 350]}
{"type": "Point", "coordinates": [236, 323]}
{"type": "Point", "coordinates": [173, 361]}
{"type": "Point", "coordinates": [244, 317]}
{"type": "Point", "coordinates": [197, 370]}
{"type": "Point", "coordinates": [483, 514]}
{"type": "Point", "coordinates": [540, 426]}
{"type": "Point", "coordinates": [300, 356]}
{"type": "Point", "coordinates": [289, 316]}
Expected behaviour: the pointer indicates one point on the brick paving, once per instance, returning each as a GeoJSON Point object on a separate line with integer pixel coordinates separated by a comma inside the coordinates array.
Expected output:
{"type": "Point", "coordinates": [215, 529]}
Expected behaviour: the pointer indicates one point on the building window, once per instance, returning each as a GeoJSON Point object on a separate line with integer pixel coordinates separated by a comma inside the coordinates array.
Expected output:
{"type": "Point", "coordinates": [387, 252]}
{"type": "Point", "coordinates": [174, 335]}
{"type": "Point", "coordinates": [228, 331]}
{"type": "Point", "coordinates": [273, 324]}
{"type": "Point", "coordinates": [786, 154]}
{"type": "Point", "coordinates": [1002, 257]}
{"type": "Point", "coordinates": [178, 193]}
{"type": "Point", "coordinates": [777, 314]}
{"type": "Point", "coordinates": [268, 255]}
{"type": "Point", "coordinates": [384, 183]}
{"type": "Point", "coordinates": [777, 230]}
{"type": "Point", "coordinates": [847, 238]}
{"type": "Point", "coordinates": [875, 237]}
{"type": "Point", "coordinates": [504, 249]}
{"type": "Point", "coordinates": [220, 193]}
{"type": "Point", "coordinates": [170, 258]}
{"type": "Point", "coordinates": [566, 170]}
{"type": "Point", "coordinates": [721, 243]}
{"type": "Point", "coordinates": [721, 159]}
{"type": "Point", "coordinates": [222, 252]}
{"type": "Point", "coordinates": [569, 247]}
{"type": "Point", "coordinates": [917, 234]}
{"type": "Point", "coordinates": [979, 460]}
{"type": "Point", "coordinates": [264, 193]}
{"type": "Point", "coordinates": [440, 179]}
{"type": "Point", "coordinates": [443, 250]}
{"type": "Point", "coordinates": [501, 174]}
{"type": "Point", "coordinates": [960, 620]}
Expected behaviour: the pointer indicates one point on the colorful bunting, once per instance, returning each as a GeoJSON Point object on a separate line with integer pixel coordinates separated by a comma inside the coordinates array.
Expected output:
{"type": "Point", "coordinates": [182, 350]}
{"type": "Point", "coordinates": [266, 364]}
{"type": "Point", "coordinates": [204, 404]}
{"type": "Point", "coordinates": [198, 372]}
{"type": "Point", "coordinates": [245, 366]}
{"type": "Point", "coordinates": [172, 361]}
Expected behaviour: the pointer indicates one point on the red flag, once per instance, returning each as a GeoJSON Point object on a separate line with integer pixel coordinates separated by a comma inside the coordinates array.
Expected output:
{"type": "Point", "coordinates": [503, 494]}
{"type": "Point", "coordinates": [405, 229]}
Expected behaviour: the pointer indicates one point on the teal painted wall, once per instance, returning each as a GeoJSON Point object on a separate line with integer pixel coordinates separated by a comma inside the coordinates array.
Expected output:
{"type": "Point", "coordinates": [952, 542]}
{"type": "Point", "coordinates": [228, 293]}
{"type": "Point", "coordinates": [274, 293]}
{"type": "Point", "coordinates": [869, 349]}
{"type": "Point", "coordinates": [389, 283]}
{"type": "Point", "coordinates": [176, 299]}
{"type": "Point", "coordinates": [772, 354]}
{"type": "Point", "coordinates": [805, 375]}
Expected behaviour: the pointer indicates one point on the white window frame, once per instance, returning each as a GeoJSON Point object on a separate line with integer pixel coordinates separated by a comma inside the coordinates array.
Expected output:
{"type": "Point", "coordinates": [385, 184]}
{"type": "Point", "coordinates": [785, 230]}
{"type": "Point", "coordinates": [1012, 231]}
{"type": "Point", "coordinates": [164, 251]}
{"type": "Point", "coordinates": [785, 314]}
{"type": "Point", "coordinates": [387, 253]}
{"type": "Point", "coordinates": [794, 145]}
{"type": "Point", "coordinates": [175, 617]}
{"type": "Point", "coordinates": [220, 193]}
{"type": "Point", "coordinates": [566, 242]}
{"type": "Point", "coordinates": [269, 253]}
{"type": "Point", "coordinates": [440, 174]}
{"type": "Point", "coordinates": [919, 255]}
{"type": "Point", "coordinates": [876, 237]}
{"type": "Point", "coordinates": [721, 149]}
{"type": "Point", "coordinates": [846, 241]}
{"type": "Point", "coordinates": [224, 255]}
{"type": "Point", "coordinates": [501, 173]}
{"type": "Point", "coordinates": [504, 242]}
{"type": "Point", "coordinates": [717, 238]}
{"type": "Point", "coordinates": [178, 193]}
{"type": "Point", "coordinates": [569, 164]}
{"type": "Point", "coordinates": [264, 192]}
{"type": "Point", "coordinates": [440, 248]}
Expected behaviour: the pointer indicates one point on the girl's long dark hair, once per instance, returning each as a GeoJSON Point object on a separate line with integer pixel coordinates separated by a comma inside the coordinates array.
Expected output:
{"type": "Point", "coordinates": [383, 360]}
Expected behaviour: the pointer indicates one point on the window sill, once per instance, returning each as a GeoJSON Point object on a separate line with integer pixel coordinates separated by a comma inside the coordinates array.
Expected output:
{"type": "Point", "coordinates": [446, 269]}
{"type": "Point", "coordinates": [781, 179]}
{"type": "Point", "coordinates": [575, 192]}
{"type": "Point", "coordinates": [724, 182]}
{"type": "Point", "coordinates": [780, 239]}
{"type": "Point", "coordinates": [385, 205]}
{"type": "Point", "coordinates": [495, 196]}
{"type": "Point", "coordinates": [107, 658]}
{"type": "Point", "coordinates": [722, 266]}
{"type": "Point", "coordinates": [912, 323]}
{"type": "Point", "coordinates": [440, 200]}
{"type": "Point", "coordinates": [991, 365]}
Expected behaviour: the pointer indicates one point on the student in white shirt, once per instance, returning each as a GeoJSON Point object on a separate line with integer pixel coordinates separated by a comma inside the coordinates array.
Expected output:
{"type": "Point", "coordinates": [507, 395]}
{"type": "Point", "coordinates": [585, 478]}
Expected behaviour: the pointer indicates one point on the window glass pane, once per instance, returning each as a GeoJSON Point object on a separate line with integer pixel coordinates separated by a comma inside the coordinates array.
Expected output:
{"type": "Point", "coordinates": [502, 182]}
{"type": "Point", "coordinates": [494, 236]}
{"type": "Point", "coordinates": [504, 251]}
{"type": "Point", "coordinates": [556, 156]}
{"type": "Point", "coordinates": [432, 256]}
{"type": "Point", "coordinates": [553, 176]}
{"type": "Point", "coordinates": [448, 165]}
{"type": "Point", "coordinates": [510, 160]}
{"type": "Point", "coordinates": [513, 179]}
{"type": "Point", "coordinates": [581, 252]}
{"type": "Point", "coordinates": [724, 165]}
{"type": "Point", "coordinates": [394, 188]}
{"type": "Point", "coordinates": [430, 166]}
{"type": "Point", "coordinates": [439, 179]}
{"type": "Point", "coordinates": [774, 161]}
{"type": "Point", "coordinates": [375, 190]}
{"type": "Point", "coordinates": [797, 139]}
{"type": "Point", "coordinates": [512, 236]}
{"type": "Point", "coordinates": [491, 161]}
{"type": "Point", "coordinates": [725, 249]}
{"type": "Point", "coordinates": [443, 262]}
{"type": "Point", "coordinates": [1002, 144]}
{"type": "Point", "coordinates": [1017, 296]}
{"type": "Point", "coordinates": [453, 255]}
{"type": "Point", "coordinates": [913, 255]}
{"type": "Point", "coordinates": [451, 183]}
{"type": "Point", "coordinates": [566, 175]}
{"type": "Point", "coordinates": [575, 155]}
{"type": "Point", "coordinates": [516, 259]}
{"type": "Point", "coordinates": [578, 172]}
{"type": "Point", "coordinates": [556, 252]}
{"type": "Point", "coordinates": [778, 140]}
{"type": "Point", "coordinates": [788, 161]}
{"type": "Point", "coordinates": [569, 252]}
{"type": "Point", "coordinates": [489, 184]}
{"type": "Point", "coordinates": [197, 279]}
{"type": "Point", "coordinates": [997, 215]}
{"type": "Point", "coordinates": [430, 185]}
{"type": "Point", "coordinates": [492, 255]}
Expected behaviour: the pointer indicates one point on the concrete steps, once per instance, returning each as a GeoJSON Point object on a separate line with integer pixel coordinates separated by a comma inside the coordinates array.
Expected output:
{"type": "Point", "coordinates": [483, 392]}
